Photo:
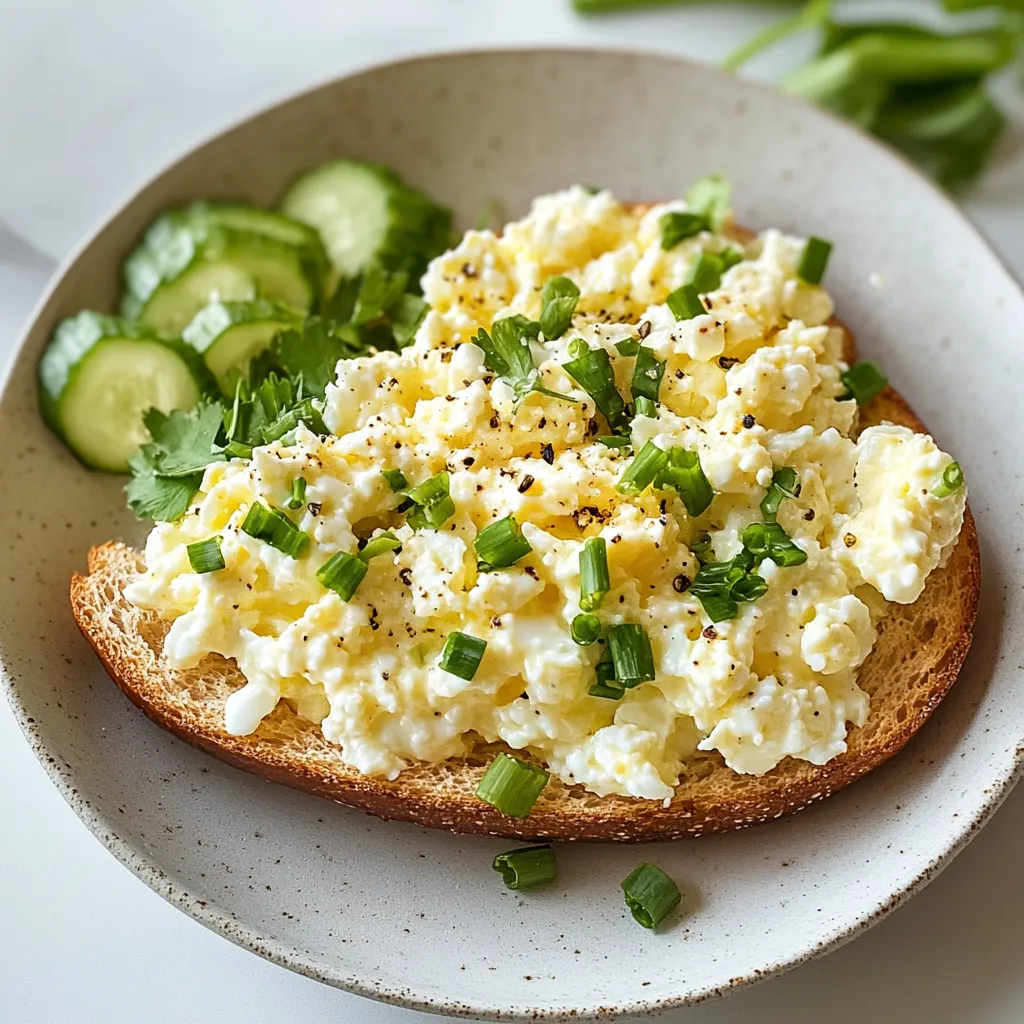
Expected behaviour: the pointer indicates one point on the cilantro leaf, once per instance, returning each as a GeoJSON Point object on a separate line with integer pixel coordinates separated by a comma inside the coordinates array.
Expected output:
{"type": "Point", "coordinates": [311, 352]}
{"type": "Point", "coordinates": [183, 442]}
{"type": "Point", "coordinates": [508, 355]}
{"type": "Point", "coordinates": [163, 498]}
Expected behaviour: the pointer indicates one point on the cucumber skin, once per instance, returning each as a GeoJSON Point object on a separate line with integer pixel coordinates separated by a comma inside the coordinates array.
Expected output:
{"type": "Point", "coordinates": [75, 336]}
{"type": "Point", "coordinates": [147, 269]}
{"type": "Point", "coordinates": [198, 337]}
{"type": "Point", "coordinates": [419, 229]}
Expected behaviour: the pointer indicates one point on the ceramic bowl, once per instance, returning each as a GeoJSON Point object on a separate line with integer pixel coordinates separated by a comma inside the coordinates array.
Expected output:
{"type": "Point", "coordinates": [419, 918]}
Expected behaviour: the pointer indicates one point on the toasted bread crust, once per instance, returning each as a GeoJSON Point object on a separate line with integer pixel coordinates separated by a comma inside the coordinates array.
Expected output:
{"type": "Point", "coordinates": [916, 660]}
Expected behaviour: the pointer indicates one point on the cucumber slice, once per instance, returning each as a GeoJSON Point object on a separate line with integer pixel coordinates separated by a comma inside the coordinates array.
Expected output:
{"type": "Point", "coordinates": [97, 377]}
{"type": "Point", "coordinates": [365, 213]}
{"type": "Point", "coordinates": [229, 334]}
{"type": "Point", "coordinates": [242, 217]}
{"type": "Point", "coordinates": [196, 263]}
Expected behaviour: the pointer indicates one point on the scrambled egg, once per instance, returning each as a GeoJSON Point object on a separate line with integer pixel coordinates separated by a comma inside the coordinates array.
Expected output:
{"type": "Point", "coordinates": [752, 386]}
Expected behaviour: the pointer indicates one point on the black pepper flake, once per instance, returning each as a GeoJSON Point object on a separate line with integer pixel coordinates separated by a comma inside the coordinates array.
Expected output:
{"type": "Point", "coordinates": [680, 375]}
{"type": "Point", "coordinates": [405, 575]}
{"type": "Point", "coordinates": [531, 572]}
{"type": "Point", "coordinates": [809, 514]}
{"type": "Point", "coordinates": [543, 423]}
{"type": "Point", "coordinates": [748, 421]}
{"type": "Point", "coordinates": [681, 584]}
{"type": "Point", "coordinates": [468, 460]}
{"type": "Point", "coordinates": [547, 453]}
{"type": "Point", "coordinates": [794, 592]}
{"type": "Point", "coordinates": [643, 329]}
{"type": "Point", "coordinates": [494, 422]}
{"type": "Point", "coordinates": [525, 484]}
{"type": "Point", "coordinates": [468, 270]}
{"type": "Point", "coordinates": [849, 540]}
{"type": "Point", "coordinates": [315, 507]}
{"type": "Point", "coordinates": [709, 633]}
{"type": "Point", "coordinates": [496, 622]}
{"type": "Point", "coordinates": [727, 362]}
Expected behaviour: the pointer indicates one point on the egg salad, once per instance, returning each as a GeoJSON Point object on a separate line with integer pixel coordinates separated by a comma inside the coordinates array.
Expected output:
{"type": "Point", "coordinates": [608, 507]}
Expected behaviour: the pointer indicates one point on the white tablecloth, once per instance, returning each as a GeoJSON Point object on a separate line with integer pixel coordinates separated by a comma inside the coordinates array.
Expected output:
{"type": "Point", "coordinates": [95, 97]}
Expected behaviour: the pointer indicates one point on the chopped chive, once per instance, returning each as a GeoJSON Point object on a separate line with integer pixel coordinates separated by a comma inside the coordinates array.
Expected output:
{"type": "Point", "coordinates": [605, 684]}
{"type": "Point", "coordinates": [750, 588]}
{"type": "Point", "coordinates": [785, 484]}
{"type": "Point", "coordinates": [641, 472]}
{"type": "Point", "coordinates": [628, 346]}
{"type": "Point", "coordinates": [647, 373]}
{"type": "Point", "coordinates": [650, 895]}
{"type": "Point", "coordinates": [950, 482]}
{"type": "Point", "coordinates": [814, 260]}
{"type": "Point", "coordinates": [395, 479]}
{"type": "Point", "coordinates": [558, 300]}
{"type": "Point", "coordinates": [730, 256]}
{"type": "Point", "coordinates": [721, 586]}
{"type": "Point", "coordinates": [342, 573]}
{"type": "Point", "coordinates": [719, 607]}
{"type": "Point", "coordinates": [585, 629]}
{"type": "Point", "coordinates": [631, 654]}
{"type": "Point", "coordinates": [614, 441]}
{"type": "Point", "coordinates": [462, 654]}
{"type": "Point", "coordinates": [500, 544]}
{"type": "Point", "coordinates": [594, 579]}
{"type": "Point", "coordinates": [526, 867]}
{"type": "Point", "coordinates": [274, 527]}
{"type": "Point", "coordinates": [685, 303]}
{"type": "Point", "coordinates": [205, 555]}
{"type": "Point", "coordinates": [678, 225]}
{"type": "Point", "coordinates": [432, 505]}
{"type": "Point", "coordinates": [380, 545]}
{"type": "Point", "coordinates": [297, 498]}
{"type": "Point", "coordinates": [702, 548]}
{"type": "Point", "coordinates": [592, 370]}
{"type": "Point", "coordinates": [683, 473]}
{"type": "Point", "coordinates": [706, 274]}
{"type": "Point", "coordinates": [512, 786]}
{"type": "Point", "coordinates": [863, 381]}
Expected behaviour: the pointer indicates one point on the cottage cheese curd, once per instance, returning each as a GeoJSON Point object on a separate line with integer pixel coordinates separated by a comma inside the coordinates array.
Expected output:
{"type": "Point", "coordinates": [751, 386]}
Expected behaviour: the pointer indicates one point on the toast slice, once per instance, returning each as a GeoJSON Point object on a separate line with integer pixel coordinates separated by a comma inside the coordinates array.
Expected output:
{"type": "Point", "coordinates": [915, 661]}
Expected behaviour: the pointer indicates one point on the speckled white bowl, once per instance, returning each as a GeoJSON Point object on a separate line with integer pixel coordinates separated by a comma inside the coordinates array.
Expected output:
{"type": "Point", "coordinates": [418, 918]}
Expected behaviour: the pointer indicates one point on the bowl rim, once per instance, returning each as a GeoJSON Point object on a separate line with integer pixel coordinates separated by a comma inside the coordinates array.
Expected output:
{"type": "Point", "coordinates": [221, 921]}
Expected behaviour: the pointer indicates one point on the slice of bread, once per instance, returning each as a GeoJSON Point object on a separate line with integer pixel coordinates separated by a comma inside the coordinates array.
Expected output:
{"type": "Point", "coordinates": [917, 657]}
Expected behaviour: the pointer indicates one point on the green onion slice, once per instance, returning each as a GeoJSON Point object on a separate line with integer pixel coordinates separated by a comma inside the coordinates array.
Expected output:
{"type": "Point", "coordinates": [432, 504]}
{"type": "Point", "coordinates": [605, 684]}
{"type": "Point", "coordinates": [631, 654]}
{"type": "Point", "coordinates": [683, 473]}
{"type": "Point", "coordinates": [614, 441]}
{"type": "Point", "coordinates": [500, 544]}
{"type": "Point", "coordinates": [769, 540]}
{"type": "Point", "coordinates": [647, 373]}
{"type": "Point", "coordinates": [594, 579]}
{"type": "Point", "coordinates": [585, 629]}
{"type": "Point", "coordinates": [863, 381]}
{"type": "Point", "coordinates": [785, 484]}
{"type": "Point", "coordinates": [642, 471]}
{"type": "Point", "coordinates": [706, 274]}
{"type": "Point", "coordinates": [342, 573]}
{"type": "Point", "coordinates": [678, 225]}
{"type": "Point", "coordinates": [380, 545]}
{"type": "Point", "coordinates": [950, 482]}
{"type": "Point", "coordinates": [558, 300]}
{"type": "Point", "coordinates": [275, 528]}
{"type": "Point", "coordinates": [814, 260]}
{"type": "Point", "coordinates": [645, 407]}
{"type": "Point", "coordinates": [462, 654]}
{"type": "Point", "coordinates": [512, 786]}
{"type": "Point", "coordinates": [650, 895]}
{"type": "Point", "coordinates": [297, 498]}
{"type": "Point", "coordinates": [205, 555]}
{"type": "Point", "coordinates": [395, 479]}
{"type": "Point", "coordinates": [685, 303]}
{"type": "Point", "coordinates": [526, 867]}
{"type": "Point", "coordinates": [592, 370]}
{"type": "Point", "coordinates": [627, 347]}
{"type": "Point", "coordinates": [722, 586]}
{"type": "Point", "coordinates": [711, 196]}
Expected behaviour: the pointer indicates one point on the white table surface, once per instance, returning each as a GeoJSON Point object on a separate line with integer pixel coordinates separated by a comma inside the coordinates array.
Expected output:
{"type": "Point", "coordinates": [95, 97]}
